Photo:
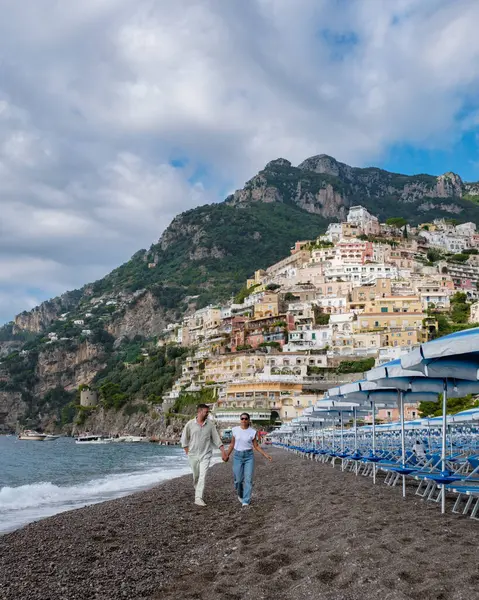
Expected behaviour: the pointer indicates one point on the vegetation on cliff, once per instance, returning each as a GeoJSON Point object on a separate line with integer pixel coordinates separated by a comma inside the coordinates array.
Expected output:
{"type": "Point", "coordinates": [210, 251]}
{"type": "Point", "coordinates": [132, 374]}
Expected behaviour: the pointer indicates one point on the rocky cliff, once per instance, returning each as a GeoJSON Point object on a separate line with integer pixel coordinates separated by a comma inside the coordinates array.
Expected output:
{"type": "Point", "coordinates": [12, 408]}
{"type": "Point", "coordinates": [112, 422]}
{"type": "Point", "coordinates": [143, 317]}
{"type": "Point", "coordinates": [327, 187]}
{"type": "Point", "coordinates": [39, 318]}
{"type": "Point", "coordinates": [68, 366]}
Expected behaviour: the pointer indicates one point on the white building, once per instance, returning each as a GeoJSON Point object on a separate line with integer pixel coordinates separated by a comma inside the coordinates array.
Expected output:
{"type": "Point", "coordinates": [445, 241]}
{"type": "Point", "coordinates": [358, 215]}
{"type": "Point", "coordinates": [360, 274]}
{"type": "Point", "coordinates": [300, 340]}
{"type": "Point", "coordinates": [466, 229]}
{"type": "Point", "coordinates": [388, 353]}
{"type": "Point", "coordinates": [333, 233]}
{"type": "Point", "coordinates": [332, 305]}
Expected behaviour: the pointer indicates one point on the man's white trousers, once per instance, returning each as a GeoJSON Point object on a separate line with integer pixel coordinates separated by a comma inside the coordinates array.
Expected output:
{"type": "Point", "coordinates": [199, 465]}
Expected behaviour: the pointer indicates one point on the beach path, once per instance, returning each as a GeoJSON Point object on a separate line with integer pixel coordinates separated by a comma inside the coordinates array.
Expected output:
{"type": "Point", "coordinates": [311, 532]}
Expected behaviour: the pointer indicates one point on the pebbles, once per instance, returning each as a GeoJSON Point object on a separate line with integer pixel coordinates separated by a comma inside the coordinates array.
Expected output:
{"type": "Point", "coordinates": [311, 532]}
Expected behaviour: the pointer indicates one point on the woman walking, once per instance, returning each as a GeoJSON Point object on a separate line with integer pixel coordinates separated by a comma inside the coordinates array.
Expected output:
{"type": "Point", "coordinates": [243, 442]}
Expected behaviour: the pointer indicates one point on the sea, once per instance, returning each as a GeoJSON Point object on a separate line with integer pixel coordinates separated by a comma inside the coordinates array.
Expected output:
{"type": "Point", "coordinates": [40, 479]}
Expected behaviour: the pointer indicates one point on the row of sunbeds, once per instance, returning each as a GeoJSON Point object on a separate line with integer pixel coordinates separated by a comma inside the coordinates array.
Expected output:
{"type": "Point", "coordinates": [459, 480]}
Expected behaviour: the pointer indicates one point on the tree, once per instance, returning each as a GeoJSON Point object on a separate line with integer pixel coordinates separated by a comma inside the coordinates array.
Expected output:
{"type": "Point", "coordinates": [433, 255]}
{"type": "Point", "coordinates": [397, 222]}
{"type": "Point", "coordinates": [289, 297]}
{"type": "Point", "coordinates": [461, 257]}
{"type": "Point", "coordinates": [460, 308]}
{"type": "Point", "coordinates": [454, 405]}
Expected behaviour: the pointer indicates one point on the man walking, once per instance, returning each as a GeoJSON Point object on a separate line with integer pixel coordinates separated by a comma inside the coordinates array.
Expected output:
{"type": "Point", "coordinates": [198, 438]}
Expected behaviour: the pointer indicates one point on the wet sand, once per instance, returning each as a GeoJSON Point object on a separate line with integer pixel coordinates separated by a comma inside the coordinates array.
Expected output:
{"type": "Point", "coordinates": [311, 532]}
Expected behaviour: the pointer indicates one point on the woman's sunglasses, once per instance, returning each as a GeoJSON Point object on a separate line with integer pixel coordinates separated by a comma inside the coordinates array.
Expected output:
{"type": "Point", "coordinates": [244, 419]}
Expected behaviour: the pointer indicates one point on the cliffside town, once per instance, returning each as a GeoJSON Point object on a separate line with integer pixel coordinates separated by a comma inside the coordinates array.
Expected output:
{"type": "Point", "coordinates": [360, 295]}
{"type": "Point", "coordinates": [158, 333]}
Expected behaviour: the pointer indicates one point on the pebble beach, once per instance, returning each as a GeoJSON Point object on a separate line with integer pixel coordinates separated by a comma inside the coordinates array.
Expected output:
{"type": "Point", "coordinates": [311, 532]}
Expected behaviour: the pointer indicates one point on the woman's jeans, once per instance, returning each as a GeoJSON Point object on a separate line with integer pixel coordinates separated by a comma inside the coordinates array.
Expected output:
{"type": "Point", "coordinates": [243, 465]}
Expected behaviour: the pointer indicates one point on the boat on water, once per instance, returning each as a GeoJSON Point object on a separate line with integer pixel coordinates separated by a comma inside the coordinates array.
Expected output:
{"type": "Point", "coordinates": [89, 438]}
{"type": "Point", "coordinates": [32, 436]}
{"type": "Point", "coordinates": [131, 439]}
{"type": "Point", "coordinates": [134, 439]}
{"type": "Point", "coordinates": [50, 437]}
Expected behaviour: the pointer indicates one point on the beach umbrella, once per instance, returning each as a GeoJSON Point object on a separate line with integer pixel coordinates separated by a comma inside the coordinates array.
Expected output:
{"type": "Point", "coordinates": [392, 396]}
{"type": "Point", "coordinates": [452, 357]}
{"type": "Point", "coordinates": [368, 394]}
{"type": "Point", "coordinates": [472, 414]}
{"type": "Point", "coordinates": [336, 406]}
{"type": "Point", "coordinates": [394, 368]}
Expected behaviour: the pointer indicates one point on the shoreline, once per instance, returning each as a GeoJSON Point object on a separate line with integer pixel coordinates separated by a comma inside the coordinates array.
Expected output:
{"type": "Point", "coordinates": [311, 532]}
{"type": "Point", "coordinates": [61, 477]}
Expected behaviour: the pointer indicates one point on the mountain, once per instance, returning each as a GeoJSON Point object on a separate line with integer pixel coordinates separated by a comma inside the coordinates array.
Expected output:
{"type": "Point", "coordinates": [204, 256]}
{"type": "Point", "coordinates": [207, 253]}
{"type": "Point", "coordinates": [322, 185]}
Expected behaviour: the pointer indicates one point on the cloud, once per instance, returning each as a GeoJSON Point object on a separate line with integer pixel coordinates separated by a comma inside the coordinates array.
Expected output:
{"type": "Point", "coordinates": [115, 115]}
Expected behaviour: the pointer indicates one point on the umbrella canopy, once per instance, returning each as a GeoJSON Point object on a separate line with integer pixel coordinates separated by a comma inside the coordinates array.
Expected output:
{"type": "Point", "coordinates": [452, 356]}
{"type": "Point", "coordinates": [393, 368]}
{"type": "Point", "coordinates": [335, 403]}
{"type": "Point", "coordinates": [455, 389]}
{"type": "Point", "coordinates": [472, 414]}
{"type": "Point", "coordinates": [362, 385]}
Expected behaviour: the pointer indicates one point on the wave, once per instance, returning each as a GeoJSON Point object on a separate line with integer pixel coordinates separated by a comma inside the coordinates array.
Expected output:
{"type": "Point", "coordinates": [47, 493]}
{"type": "Point", "coordinates": [23, 504]}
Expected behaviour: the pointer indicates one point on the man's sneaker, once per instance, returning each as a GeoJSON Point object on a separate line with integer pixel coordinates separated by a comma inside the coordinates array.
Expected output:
{"type": "Point", "coordinates": [240, 499]}
{"type": "Point", "coordinates": [200, 502]}
{"type": "Point", "coordinates": [243, 504]}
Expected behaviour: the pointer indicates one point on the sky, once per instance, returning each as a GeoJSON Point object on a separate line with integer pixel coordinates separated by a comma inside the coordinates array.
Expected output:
{"type": "Point", "coordinates": [116, 115]}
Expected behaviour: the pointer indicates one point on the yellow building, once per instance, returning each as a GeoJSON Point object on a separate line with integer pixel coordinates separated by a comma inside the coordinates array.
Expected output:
{"type": "Point", "coordinates": [400, 329]}
{"type": "Point", "coordinates": [349, 230]}
{"type": "Point", "coordinates": [227, 367]}
{"type": "Point", "coordinates": [359, 340]}
{"type": "Point", "coordinates": [393, 304]}
{"type": "Point", "coordinates": [401, 337]}
{"type": "Point", "coordinates": [268, 306]}
{"type": "Point", "coordinates": [283, 397]}
{"type": "Point", "coordinates": [367, 293]}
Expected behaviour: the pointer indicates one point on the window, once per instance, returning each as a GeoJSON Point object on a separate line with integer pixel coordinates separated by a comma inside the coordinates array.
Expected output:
{"type": "Point", "coordinates": [384, 309]}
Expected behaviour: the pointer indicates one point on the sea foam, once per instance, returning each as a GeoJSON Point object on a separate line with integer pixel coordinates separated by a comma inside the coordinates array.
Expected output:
{"type": "Point", "coordinates": [22, 504]}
